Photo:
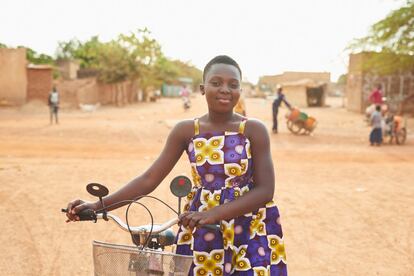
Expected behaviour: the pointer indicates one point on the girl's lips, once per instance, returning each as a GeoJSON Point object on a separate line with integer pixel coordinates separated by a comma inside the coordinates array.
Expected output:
{"type": "Point", "coordinates": [224, 101]}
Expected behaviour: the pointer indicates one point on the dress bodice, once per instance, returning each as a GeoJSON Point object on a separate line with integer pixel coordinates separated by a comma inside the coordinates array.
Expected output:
{"type": "Point", "coordinates": [220, 160]}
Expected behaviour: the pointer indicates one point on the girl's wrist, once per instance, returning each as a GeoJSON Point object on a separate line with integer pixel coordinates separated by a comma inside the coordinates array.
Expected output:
{"type": "Point", "coordinates": [215, 214]}
{"type": "Point", "coordinates": [96, 205]}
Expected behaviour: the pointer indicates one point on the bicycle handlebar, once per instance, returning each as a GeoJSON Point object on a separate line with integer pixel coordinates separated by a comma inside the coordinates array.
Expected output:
{"type": "Point", "coordinates": [90, 215]}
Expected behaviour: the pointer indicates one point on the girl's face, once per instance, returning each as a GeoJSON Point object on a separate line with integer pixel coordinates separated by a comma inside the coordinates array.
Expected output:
{"type": "Point", "coordinates": [221, 87]}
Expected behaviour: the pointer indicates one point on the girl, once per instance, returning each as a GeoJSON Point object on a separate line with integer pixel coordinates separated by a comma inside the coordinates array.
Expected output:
{"type": "Point", "coordinates": [233, 181]}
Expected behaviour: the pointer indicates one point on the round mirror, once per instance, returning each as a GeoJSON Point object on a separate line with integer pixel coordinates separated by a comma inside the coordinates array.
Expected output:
{"type": "Point", "coordinates": [97, 189]}
{"type": "Point", "coordinates": [180, 186]}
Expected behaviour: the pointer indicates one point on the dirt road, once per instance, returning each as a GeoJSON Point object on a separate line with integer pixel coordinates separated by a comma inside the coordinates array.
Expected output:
{"type": "Point", "coordinates": [347, 208]}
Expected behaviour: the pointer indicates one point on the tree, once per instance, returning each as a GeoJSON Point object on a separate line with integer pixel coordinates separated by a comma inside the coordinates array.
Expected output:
{"type": "Point", "coordinates": [33, 57]}
{"type": "Point", "coordinates": [393, 40]}
{"type": "Point", "coordinates": [342, 79]}
{"type": "Point", "coordinates": [146, 61]}
{"type": "Point", "coordinates": [135, 56]}
{"type": "Point", "coordinates": [88, 53]}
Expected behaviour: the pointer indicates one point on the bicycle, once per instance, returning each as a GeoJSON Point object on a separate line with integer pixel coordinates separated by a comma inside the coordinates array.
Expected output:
{"type": "Point", "coordinates": [147, 257]}
{"type": "Point", "coordinates": [395, 127]}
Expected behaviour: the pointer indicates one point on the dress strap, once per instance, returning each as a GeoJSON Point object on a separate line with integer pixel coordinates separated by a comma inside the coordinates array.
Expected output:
{"type": "Point", "coordinates": [242, 126]}
{"type": "Point", "coordinates": [196, 127]}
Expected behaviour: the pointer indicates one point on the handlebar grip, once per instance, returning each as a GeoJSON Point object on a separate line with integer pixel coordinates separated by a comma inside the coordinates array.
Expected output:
{"type": "Point", "coordinates": [87, 214]}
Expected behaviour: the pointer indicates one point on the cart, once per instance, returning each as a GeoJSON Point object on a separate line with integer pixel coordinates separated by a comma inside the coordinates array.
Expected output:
{"type": "Point", "coordinates": [300, 123]}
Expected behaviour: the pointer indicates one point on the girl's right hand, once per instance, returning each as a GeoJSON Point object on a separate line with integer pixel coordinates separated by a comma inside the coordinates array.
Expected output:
{"type": "Point", "coordinates": [75, 206]}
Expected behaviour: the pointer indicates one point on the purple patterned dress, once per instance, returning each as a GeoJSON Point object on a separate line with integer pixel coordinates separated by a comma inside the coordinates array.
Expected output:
{"type": "Point", "coordinates": [251, 244]}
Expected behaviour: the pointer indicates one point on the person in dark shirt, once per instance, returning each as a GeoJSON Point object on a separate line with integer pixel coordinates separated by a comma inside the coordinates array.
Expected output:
{"type": "Point", "coordinates": [275, 107]}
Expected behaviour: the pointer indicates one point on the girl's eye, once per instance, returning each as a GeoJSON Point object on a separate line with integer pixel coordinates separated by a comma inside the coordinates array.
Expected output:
{"type": "Point", "coordinates": [215, 83]}
{"type": "Point", "coordinates": [234, 86]}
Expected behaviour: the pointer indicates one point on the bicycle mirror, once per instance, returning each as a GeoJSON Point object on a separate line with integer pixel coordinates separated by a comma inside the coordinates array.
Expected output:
{"type": "Point", "coordinates": [97, 189]}
{"type": "Point", "coordinates": [180, 186]}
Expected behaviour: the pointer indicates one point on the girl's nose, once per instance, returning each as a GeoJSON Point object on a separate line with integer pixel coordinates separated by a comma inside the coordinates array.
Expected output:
{"type": "Point", "coordinates": [225, 89]}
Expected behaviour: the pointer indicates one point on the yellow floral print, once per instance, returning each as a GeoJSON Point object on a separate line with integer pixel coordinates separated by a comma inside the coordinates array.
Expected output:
{"type": "Point", "coordinates": [189, 199]}
{"type": "Point", "coordinates": [185, 236]}
{"type": "Point", "coordinates": [209, 264]}
{"type": "Point", "coordinates": [194, 174]}
{"type": "Point", "coordinates": [261, 271]}
{"type": "Point", "coordinates": [209, 200]}
{"type": "Point", "coordinates": [240, 262]}
{"type": "Point", "coordinates": [234, 170]}
{"type": "Point", "coordinates": [277, 246]}
{"type": "Point", "coordinates": [257, 225]}
{"type": "Point", "coordinates": [227, 228]}
{"type": "Point", "coordinates": [248, 150]}
{"type": "Point", "coordinates": [209, 150]}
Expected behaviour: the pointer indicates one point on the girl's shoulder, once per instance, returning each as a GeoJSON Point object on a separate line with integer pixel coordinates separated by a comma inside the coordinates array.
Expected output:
{"type": "Point", "coordinates": [255, 128]}
{"type": "Point", "coordinates": [184, 128]}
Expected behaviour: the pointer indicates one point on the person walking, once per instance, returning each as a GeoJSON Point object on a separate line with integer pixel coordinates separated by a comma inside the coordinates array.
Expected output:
{"type": "Point", "coordinates": [53, 102]}
{"type": "Point", "coordinates": [275, 107]}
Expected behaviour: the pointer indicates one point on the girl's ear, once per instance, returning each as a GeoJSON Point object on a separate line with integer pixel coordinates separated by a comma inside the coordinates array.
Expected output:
{"type": "Point", "coordinates": [202, 89]}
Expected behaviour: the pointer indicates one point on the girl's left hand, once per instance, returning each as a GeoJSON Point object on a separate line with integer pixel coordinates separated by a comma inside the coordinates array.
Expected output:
{"type": "Point", "coordinates": [194, 219]}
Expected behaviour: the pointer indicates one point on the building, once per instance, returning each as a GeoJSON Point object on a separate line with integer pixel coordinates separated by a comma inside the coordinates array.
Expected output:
{"type": "Point", "coordinates": [305, 92]}
{"type": "Point", "coordinates": [13, 76]}
{"type": "Point", "coordinates": [39, 82]}
{"type": "Point", "coordinates": [21, 82]}
{"type": "Point", "coordinates": [302, 89]}
{"type": "Point", "coordinates": [361, 81]}
{"type": "Point", "coordinates": [68, 69]}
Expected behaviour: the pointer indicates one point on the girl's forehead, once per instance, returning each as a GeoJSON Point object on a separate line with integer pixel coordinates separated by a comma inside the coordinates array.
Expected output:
{"type": "Point", "coordinates": [224, 71]}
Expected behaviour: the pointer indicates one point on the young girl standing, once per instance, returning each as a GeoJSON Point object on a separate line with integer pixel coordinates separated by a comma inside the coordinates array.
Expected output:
{"type": "Point", "coordinates": [233, 179]}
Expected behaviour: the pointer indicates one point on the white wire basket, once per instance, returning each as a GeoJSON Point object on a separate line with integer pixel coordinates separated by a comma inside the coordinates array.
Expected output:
{"type": "Point", "coordinates": [116, 259]}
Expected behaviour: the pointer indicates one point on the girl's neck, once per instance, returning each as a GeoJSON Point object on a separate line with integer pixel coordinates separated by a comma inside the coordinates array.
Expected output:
{"type": "Point", "coordinates": [220, 119]}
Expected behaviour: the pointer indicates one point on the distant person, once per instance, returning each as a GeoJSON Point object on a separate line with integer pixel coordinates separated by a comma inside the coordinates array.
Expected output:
{"type": "Point", "coordinates": [240, 107]}
{"type": "Point", "coordinates": [375, 137]}
{"type": "Point", "coordinates": [376, 95]}
{"type": "Point", "coordinates": [54, 105]}
{"type": "Point", "coordinates": [375, 99]}
{"type": "Point", "coordinates": [185, 95]}
{"type": "Point", "coordinates": [275, 107]}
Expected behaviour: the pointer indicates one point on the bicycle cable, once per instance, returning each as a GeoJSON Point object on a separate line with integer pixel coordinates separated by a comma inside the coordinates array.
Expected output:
{"type": "Point", "coordinates": [131, 201]}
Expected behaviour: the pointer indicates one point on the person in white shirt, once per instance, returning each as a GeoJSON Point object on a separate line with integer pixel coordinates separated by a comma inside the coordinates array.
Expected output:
{"type": "Point", "coordinates": [54, 105]}
{"type": "Point", "coordinates": [375, 137]}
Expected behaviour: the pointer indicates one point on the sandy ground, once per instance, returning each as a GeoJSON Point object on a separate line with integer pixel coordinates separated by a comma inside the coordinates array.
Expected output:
{"type": "Point", "coordinates": [347, 208]}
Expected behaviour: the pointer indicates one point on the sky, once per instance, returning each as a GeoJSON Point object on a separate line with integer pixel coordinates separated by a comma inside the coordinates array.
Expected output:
{"type": "Point", "coordinates": [266, 37]}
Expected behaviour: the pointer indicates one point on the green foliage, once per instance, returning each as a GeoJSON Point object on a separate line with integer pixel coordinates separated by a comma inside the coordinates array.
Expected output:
{"type": "Point", "coordinates": [35, 58]}
{"type": "Point", "coordinates": [135, 56]}
{"type": "Point", "coordinates": [88, 53]}
{"type": "Point", "coordinates": [112, 63]}
{"type": "Point", "coordinates": [3, 45]}
{"type": "Point", "coordinates": [342, 79]}
{"type": "Point", "coordinates": [393, 39]}
{"type": "Point", "coordinates": [145, 57]}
